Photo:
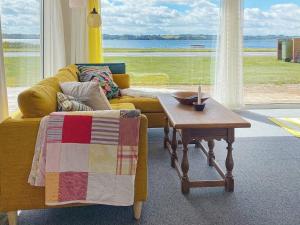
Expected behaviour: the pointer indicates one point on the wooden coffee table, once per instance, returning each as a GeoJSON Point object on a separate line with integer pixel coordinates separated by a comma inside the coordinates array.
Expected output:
{"type": "Point", "coordinates": [215, 123]}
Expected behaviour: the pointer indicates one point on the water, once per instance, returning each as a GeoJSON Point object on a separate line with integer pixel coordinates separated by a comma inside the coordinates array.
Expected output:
{"type": "Point", "coordinates": [267, 43]}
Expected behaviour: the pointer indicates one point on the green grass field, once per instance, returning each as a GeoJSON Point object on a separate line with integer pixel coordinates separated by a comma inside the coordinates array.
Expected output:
{"type": "Point", "coordinates": [138, 50]}
{"type": "Point", "coordinates": [23, 71]}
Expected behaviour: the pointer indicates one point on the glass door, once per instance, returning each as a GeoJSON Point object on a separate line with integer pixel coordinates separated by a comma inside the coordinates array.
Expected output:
{"type": "Point", "coordinates": [272, 51]}
{"type": "Point", "coordinates": [21, 30]}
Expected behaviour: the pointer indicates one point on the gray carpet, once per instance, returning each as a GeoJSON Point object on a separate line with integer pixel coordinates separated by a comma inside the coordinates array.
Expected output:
{"type": "Point", "coordinates": [267, 177]}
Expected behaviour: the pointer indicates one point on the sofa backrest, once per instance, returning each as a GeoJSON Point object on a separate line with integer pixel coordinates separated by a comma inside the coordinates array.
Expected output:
{"type": "Point", "coordinates": [40, 99]}
{"type": "Point", "coordinates": [115, 68]}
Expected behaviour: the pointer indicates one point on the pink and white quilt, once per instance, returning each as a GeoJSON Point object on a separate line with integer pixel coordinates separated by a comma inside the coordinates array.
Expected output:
{"type": "Point", "coordinates": [87, 157]}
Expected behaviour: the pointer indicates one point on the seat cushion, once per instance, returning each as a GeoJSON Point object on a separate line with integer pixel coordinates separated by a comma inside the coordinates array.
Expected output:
{"type": "Point", "coordinates": [146, 105]}
{"type": "Point", "coordinates": [119, 106]}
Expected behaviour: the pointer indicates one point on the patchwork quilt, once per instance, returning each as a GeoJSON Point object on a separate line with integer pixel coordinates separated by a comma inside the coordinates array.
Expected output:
{"type": "Point", "coordinates": [87, 157]}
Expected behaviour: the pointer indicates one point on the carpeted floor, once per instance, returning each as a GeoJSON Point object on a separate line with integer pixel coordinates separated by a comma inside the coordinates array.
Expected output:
{"type": "Point", "coordinates": [267, 190]}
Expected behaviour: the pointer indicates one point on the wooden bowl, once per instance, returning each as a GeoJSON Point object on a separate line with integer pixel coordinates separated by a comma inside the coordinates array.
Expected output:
{"type": "Point", "coordinates": [187, 97]}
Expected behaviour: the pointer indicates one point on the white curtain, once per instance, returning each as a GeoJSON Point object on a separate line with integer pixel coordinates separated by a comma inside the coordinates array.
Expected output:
{"type": "Point", "coordinates": [3, 90]}
{"type": "Point", "coordinates": [79, 36]}
{"type": "Point", "coordinates": [228, 87]}
{"type": "Point", "coordinates": [65, 35]}
{"type": "Point", "coordinates": [54, 39]}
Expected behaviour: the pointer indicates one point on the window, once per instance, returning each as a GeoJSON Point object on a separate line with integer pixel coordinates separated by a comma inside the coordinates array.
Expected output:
{"type": "Point", "coordinates": [21, 29]}
{"type": "Point", "coordinates": [269, 78]}
{"type": "Point", "coordinates": [165, 44]}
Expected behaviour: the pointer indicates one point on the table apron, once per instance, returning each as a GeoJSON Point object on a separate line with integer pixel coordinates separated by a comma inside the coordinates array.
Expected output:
{"type": "Point", "coordinates": [207, 134]}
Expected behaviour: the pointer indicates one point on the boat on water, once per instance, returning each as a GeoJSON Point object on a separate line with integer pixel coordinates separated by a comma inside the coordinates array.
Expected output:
{"type": "Point", "coordinates": [197, 46]}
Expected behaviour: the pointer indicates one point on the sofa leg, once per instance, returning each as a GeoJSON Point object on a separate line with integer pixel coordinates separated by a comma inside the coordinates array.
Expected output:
{"type": "Point", "coordinates": [12, 218]}
{"type": "Point", "coordinates": [137, 210]}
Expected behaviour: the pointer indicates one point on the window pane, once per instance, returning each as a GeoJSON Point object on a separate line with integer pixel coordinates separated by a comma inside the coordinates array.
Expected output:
{"type": "Point", "coordinates": [165, 44]}
{"type": "Point", "coordinates": [269, 79]}
{"type": "Point", "coordinates": [21, 26]}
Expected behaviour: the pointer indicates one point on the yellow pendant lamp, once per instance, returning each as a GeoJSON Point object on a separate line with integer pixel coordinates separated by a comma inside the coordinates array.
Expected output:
{"type": "Point", "coordinates": [94, 19]}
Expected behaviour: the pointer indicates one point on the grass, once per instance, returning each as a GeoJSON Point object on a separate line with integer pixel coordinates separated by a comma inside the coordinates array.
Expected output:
{"type": "Point", "coordinates": [195, 70]}
{"type": "Point", "coordinates": [23, 71]}
{"type": "Point", "coordinates": [137, 50]}
{"type": "Point", "coordinates": [21, 49]}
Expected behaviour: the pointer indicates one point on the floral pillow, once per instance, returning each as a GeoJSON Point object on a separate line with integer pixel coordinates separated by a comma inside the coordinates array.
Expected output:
{"type": "Point", "coordinates": [103, 76]}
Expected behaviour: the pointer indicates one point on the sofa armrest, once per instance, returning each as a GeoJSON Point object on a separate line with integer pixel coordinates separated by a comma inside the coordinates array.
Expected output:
{"type": "Point", "coordinates": [17, 141]}
{"type": "Point", "coordinates": [141, 178]}
{"type": "Point", "coordinates": [122, 80]}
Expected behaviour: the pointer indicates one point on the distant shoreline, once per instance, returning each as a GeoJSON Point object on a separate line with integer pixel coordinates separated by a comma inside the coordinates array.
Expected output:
{"type": "Point", "coordinates": [155, 37]}
{"type": "Point", "coordinates": [147, 50]}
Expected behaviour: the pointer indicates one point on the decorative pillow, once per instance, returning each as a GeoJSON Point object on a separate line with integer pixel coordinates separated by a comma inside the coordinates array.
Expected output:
{"type": "Point", "coordinates": [68, 103]}
{"type": "Point", "coordinates": [89, 93]}
{"type": "Point", "coordinates": [103, 76]}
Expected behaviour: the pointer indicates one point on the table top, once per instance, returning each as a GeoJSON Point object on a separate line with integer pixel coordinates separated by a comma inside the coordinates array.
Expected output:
{"type": "Point", "coordinates": [214, 115]}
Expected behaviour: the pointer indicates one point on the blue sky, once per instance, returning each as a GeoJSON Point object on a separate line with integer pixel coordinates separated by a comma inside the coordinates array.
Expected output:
{"type": "Point", "coordinates": [262, 17]}
{"type": "Point", "coordinates": [265, 4]}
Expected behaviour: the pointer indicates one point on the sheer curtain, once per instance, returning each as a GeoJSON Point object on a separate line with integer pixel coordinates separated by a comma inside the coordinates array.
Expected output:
{"type": "Point", "coordinates": [54, 39]}
{"type": "Point", "coordinates": [79, 36]}
{"type": "Point", "coordinates": [67, 37]}
{"type": "Point", "coordinates": [3, 90]}
{"type": "Point", "coordinates": [228, 88]}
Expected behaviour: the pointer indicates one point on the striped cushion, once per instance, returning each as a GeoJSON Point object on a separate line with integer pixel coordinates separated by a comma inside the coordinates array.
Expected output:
{"type": "Point", "coordinates": [68, 103]}
{"type": "Point", "coordinates": [103, 76]}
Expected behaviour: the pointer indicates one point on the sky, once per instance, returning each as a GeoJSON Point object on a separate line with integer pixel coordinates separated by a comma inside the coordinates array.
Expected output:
{"type": "Point", "coordinates": [262, 17]}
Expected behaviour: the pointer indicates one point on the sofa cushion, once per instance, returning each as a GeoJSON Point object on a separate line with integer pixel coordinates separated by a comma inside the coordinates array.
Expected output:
{"type": "Point", "coordinates": [119, 106]}
{"type": "Point", "coordinates": [122, 80]}
{"type": "Point", "coordinates": [146, 105]}
{"type": "Point", "coordinates": [40, 99]}
{"type": "Point", "coordinates": [68, 103]}
{"type": "Point", "coordinates": [88, 93]}
{"type": "Point", "coordinates": [101, 75]}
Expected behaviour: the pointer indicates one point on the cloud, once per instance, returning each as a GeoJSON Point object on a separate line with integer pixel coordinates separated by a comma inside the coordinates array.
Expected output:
{"type": "Point", "coordinates": [279, 19]}
{"type": "Point", "coordinates": [161, 17]}
{"type": "Point", "coordinates": [20, 16]}
{"type": "Point", "coordinates": [200, 16]}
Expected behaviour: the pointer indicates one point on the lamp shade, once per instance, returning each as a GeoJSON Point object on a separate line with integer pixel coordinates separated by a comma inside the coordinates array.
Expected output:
{"type": "Point", "coordinates": [77, 3]}
{"type": "Point", "coordinates": [94, 19]}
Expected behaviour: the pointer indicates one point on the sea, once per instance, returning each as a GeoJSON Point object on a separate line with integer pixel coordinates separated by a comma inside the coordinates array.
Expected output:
{"type": "Point", "coordinates": [173, 44]}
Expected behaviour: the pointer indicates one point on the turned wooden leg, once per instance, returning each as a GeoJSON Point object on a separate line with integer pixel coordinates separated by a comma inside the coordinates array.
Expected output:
{"type": "Point", "coordinates": [229, 181]}
{"type": "Point", "coordinates": [12, 218]}
{"type": "Point", "coordinates": [166, 130]}
{"type": "Point", "coordinates": [174, 148]}
{"type": "Point", "coordinates": [185, 188]}
{"type": "Point", "coordinates": [211, 155]}
{"type": "Point", "coordinates": [137, 210]}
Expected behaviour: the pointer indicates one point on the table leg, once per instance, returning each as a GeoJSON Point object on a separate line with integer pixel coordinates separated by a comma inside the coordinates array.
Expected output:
{"type": "Point", "coordinates": [211, 155]}
{"type": "Point", "coordinates": [229, 181]}
{"type": "Point", "coordinates": [166, 130]}
{"type": "Point", "coordinates": [185, 188]}
{"type": "Point", "coordinates": [174, 148]}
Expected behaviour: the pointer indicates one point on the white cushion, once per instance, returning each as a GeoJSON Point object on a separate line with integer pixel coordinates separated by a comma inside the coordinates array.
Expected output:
{"type": "Point", "coordinates": [88, 93]}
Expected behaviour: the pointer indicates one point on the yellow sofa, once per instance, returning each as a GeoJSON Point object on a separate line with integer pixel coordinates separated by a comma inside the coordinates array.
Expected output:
{"type": "Point", "coordinates": [17, 141]}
